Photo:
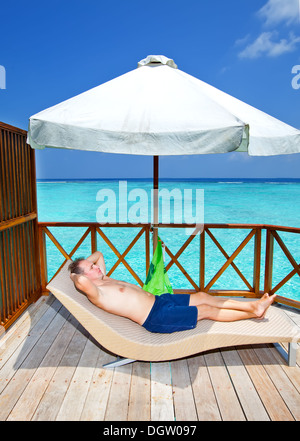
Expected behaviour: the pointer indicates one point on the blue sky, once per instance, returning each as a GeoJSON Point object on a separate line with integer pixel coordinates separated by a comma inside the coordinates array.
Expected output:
{"type": "Point", "coordinates": [51, 51]}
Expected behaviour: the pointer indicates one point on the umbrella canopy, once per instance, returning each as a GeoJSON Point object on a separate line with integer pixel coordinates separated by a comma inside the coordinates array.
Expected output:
{"type": "Point", "coordinates": [158, 109]}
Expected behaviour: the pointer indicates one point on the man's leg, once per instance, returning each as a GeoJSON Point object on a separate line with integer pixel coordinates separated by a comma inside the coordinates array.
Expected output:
{"type": "Point", "coordinates": [256, 308]}
{"type": "Point", "coordinates": [222, 315]}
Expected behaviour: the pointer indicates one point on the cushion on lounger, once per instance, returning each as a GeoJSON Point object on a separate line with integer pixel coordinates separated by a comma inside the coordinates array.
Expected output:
{"type": "Point", "coordinates": [130, 340]}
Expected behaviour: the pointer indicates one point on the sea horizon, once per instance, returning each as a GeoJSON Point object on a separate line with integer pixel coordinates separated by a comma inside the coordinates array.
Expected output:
{"type": "Point", "coordinates": [165, 179]}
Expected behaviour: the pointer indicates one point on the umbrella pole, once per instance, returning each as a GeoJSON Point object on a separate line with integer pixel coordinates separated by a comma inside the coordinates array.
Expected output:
{"type": "Point", "coordinates": [155, 200]}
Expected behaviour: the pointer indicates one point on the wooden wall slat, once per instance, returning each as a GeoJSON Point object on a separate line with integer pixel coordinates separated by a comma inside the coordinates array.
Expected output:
{"type": "Point", "coordinates": [19, 254]}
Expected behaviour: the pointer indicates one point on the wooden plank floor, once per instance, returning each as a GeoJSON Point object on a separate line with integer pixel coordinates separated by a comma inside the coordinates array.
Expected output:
{"type": "Point", "coordinates": [51, 369]}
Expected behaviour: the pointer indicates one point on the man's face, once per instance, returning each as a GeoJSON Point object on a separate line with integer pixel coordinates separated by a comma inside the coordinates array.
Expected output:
{"type": "Point", "coordinates": [91, 270]}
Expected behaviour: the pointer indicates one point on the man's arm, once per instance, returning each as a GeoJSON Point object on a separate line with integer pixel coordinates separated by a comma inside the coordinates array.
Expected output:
{"type": "Point", "coordinates": [98, 259]}
{"type": "Point", "coordinates": [85, 285]}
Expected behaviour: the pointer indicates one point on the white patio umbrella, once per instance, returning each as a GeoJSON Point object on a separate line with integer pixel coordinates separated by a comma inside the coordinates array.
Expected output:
{"type": "Point", "coordinates": [158, 109]}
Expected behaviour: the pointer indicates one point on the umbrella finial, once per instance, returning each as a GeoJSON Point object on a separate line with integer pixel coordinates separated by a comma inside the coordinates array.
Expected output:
{"type": "Point", "coordinates": [157, 59]}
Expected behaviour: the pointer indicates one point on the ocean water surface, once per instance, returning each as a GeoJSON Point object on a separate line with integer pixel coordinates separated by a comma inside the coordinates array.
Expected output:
{"type": "Point", "coordinates": [272, 202]}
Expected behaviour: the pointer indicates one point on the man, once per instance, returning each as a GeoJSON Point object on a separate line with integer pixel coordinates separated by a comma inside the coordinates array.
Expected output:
{"type": "Point", "coordinates": [166, 313]}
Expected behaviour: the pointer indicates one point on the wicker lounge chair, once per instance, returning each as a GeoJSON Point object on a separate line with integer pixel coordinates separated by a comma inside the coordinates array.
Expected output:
{"type": "Point", "coordinates": [127, 339]}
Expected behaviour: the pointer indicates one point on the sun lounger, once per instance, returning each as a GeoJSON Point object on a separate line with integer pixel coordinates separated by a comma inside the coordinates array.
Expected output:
{"type": "Point", "coordinates": [131, 341]}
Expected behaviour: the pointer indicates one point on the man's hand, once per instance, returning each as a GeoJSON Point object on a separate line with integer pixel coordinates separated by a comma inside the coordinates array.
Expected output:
{"type": "Point", "coordinates": [78, 279]}
{"type": "Point", "coordinates": [98, 259]}
{"type": "Point", "coordinates": [84, 284]}
{"type": "Point", "coordinates": [74, 277]}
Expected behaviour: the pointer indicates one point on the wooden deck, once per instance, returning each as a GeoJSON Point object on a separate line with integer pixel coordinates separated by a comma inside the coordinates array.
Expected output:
{"type": "Point", "coordinates": [51, 369]}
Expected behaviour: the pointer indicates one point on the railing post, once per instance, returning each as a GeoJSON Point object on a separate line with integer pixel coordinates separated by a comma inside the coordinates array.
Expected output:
{"type": "Point", "coordinates": [43, 259]}
{"type": "Point", "coordinates": [257, 258]}
{"type": "Point", "coordinates": [147, 248]}
{"type": "Point", "coordinates": [202, 260]}
{"type": "Point", "coordinates": [269, 261]}
{"type": "Point", "coordinates": [93, 240]}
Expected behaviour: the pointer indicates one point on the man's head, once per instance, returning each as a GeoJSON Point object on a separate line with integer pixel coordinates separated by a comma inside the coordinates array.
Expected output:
{"type": "Point", "coordinates": [75, 267]}
{"type": "Point", "coordinates": [86, 268]}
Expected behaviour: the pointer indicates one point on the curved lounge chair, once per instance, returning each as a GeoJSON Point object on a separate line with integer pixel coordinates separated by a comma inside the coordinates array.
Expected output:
{"type": "Point", "coordinates": [127, 339]}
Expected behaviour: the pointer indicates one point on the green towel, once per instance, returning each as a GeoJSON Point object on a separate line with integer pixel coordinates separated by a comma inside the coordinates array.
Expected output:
{"type": "Point", "coordinates": [157, 281]}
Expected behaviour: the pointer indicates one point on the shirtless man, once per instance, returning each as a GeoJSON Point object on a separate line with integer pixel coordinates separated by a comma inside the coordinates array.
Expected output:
{"type": "Point", "coordinates": [154, 312]}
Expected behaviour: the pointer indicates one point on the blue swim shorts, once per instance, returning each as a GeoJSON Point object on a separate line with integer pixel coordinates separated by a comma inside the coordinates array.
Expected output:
{"type": "Point", "coordinates": [171, 313]}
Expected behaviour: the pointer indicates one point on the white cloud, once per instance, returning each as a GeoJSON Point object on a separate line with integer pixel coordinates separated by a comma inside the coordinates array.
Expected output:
{"type": "Point", "coordinates": [278, 11]}
{"type": "Point", "coordinates": [242, 41]}
{"type": "Point", "coordinates": [224, 69]}
{"type": "Point", "coordinates": [239, 156]}
{"type": "Point", "coordinates": [268, 44]}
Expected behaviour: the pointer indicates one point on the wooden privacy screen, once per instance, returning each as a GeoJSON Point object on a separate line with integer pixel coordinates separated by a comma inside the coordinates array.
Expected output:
{"type": "Point", "coordinates": [19, 262]}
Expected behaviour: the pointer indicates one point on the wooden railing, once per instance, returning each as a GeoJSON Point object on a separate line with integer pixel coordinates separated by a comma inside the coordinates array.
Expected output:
{"type": "Point", "coordinates": [261, 253]}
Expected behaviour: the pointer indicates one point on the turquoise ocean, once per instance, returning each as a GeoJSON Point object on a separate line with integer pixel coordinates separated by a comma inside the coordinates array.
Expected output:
{"type": "Point", "coordinates": [245, 201]}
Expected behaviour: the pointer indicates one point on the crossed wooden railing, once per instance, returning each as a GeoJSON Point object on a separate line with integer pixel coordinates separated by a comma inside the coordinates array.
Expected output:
{"type": "Point", "coordinates": [144, 230]}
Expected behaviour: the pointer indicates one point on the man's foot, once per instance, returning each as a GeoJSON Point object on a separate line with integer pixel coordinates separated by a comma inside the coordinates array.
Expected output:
{"type": "Point", "coordinates": [261, 305]}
